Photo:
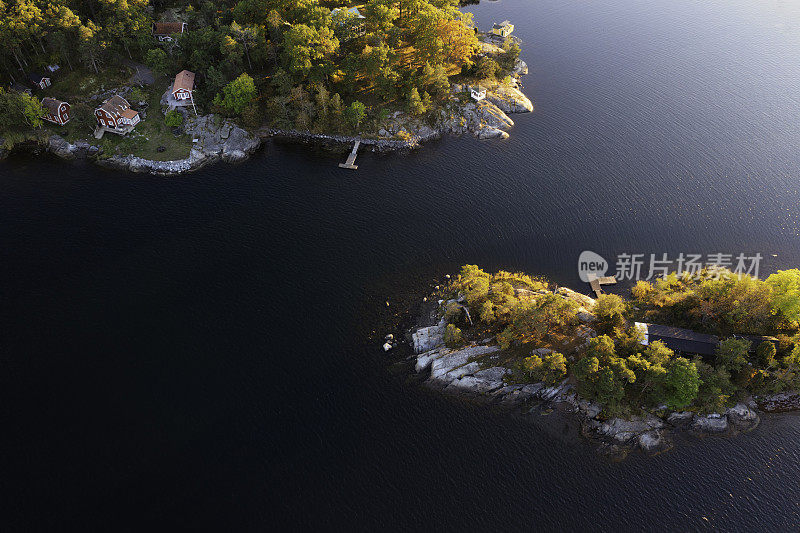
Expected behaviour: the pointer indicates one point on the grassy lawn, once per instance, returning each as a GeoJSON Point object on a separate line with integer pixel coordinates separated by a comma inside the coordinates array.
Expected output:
{"type": "Point", "coordinates": [79, 85]}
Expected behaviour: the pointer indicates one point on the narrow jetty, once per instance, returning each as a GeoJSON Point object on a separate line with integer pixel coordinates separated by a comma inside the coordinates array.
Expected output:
{"type": "Point", "coordinates": [595, 283]}
{"type": "Point", "coordinates": [351, 159]}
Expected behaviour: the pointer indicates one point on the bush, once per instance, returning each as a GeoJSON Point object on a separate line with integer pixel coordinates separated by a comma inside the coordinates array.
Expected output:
{"type": "Point", "coordinates": [173, 119]}
{"type": "Point", "coordinates": [551, 369]}
{"type": "Point", "coordinates": [486, 68]}
{"type": "Point", "coordinates": [252, 117]}
{"type": "Point", "coordinates": [765, 355]}
{"type": "Point", "coordinates": [453, 336]}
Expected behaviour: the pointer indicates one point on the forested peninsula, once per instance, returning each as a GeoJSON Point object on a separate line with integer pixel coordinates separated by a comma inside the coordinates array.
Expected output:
{"type": "Point", "coordinates": [167, 86]}
{"type": "Point", "coordinates": [702, 352]}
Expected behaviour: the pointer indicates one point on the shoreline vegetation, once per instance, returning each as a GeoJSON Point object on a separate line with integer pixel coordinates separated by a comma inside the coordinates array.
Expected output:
{"type": "Point", "coordinates": [719, 348]}
{"type": "Point", "coordinates": [390, 73]}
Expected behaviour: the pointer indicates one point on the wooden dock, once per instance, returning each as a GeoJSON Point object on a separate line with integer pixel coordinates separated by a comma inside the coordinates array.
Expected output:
{"type": "Point", "coordinates": [351, 159]}
{"type": "Point", "coordinates": [595, 283]}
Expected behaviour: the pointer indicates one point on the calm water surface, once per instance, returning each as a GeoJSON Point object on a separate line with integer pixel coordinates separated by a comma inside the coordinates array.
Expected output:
{"type": "Point", "coordinates": [195, 352]}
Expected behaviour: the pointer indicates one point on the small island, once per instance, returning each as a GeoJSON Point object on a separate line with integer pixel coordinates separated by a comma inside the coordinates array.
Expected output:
{"type": "Point", "coordinates": [700, 352]}
{"type": "Point", "coordinates": [170, 88]}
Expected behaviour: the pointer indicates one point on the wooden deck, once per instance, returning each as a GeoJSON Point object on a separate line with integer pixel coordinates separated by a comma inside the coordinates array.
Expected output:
{"type": "Point", "coordinates": [351, 159]}
{"type": "Point", "coordinates": [595, 283]}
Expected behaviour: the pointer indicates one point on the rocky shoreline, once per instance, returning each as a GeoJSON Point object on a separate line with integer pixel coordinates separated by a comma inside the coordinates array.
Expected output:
{"type": "Point", "coordinates": [217, 139]}
{"type": "Point", "coordinates": [475, 371]}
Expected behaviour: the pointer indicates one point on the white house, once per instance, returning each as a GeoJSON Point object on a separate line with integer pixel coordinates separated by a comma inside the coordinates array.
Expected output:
{"type": "Point", "coordinates": [477, 93]}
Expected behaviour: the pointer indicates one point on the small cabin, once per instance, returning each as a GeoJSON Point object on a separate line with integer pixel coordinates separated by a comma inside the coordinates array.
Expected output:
{"type": "Point", "coordinates": [477, 93]}
{"type": "Point", "coordinates": [503, 29]}
{"type": "Point", "coordinates": [168, 31]}
{"type": "Point", "coordinates": [349, 18]}
{"type": "Point", "coordinates": [353, 11]}
{"type": "Point", "coordinates": [55, 111]}
{"type": "Point", "coordinates": [115, 115]}
{"type": "Point", "coordinates": [183, 86]}
{"type": "Point", "coordinates": [38, 80]}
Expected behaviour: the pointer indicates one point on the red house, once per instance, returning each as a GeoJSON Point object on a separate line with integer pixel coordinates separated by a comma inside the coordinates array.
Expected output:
{"type": "Point", "coordinates": [166, 31]}
{"type": "Point", "coordinates": [39, 81]}
{"type": "Point", "coordinates": [183, 86]}
{"type": "Point", "coordinates": [55, 111]}
{"type": "Point", "coordinates": [116, 115]}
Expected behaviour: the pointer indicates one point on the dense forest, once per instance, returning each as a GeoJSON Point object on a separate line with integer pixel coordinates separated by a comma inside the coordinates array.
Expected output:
{"type": "Point", "coordinates": [544, 336]}
{"type": "Point", "coordinates": [303, 64]}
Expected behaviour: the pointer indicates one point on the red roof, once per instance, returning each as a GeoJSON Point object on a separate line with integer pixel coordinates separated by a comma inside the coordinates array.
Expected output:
{"type": "Point", "coordinates": [167, 28]}
{"type": "Point", "coordinates": [184, 80]}
{"type": "Point", "coordinates": [51, 104]}
{"type": "Point", "coordinates": [115, 105]}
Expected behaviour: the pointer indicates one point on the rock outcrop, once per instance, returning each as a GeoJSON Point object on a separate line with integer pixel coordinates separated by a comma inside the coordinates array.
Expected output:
{"type": "Point", "coordinates": [510, 100]}
{"type": "Point", "coordinates": [59, 147]}
{"type": "Point", "coordinates": [742, 417]}
{"type": "Point", "coordinates": [426, 339]}
{"type": "Point", "coordinates": [783, 401]}
{"type": "Point", "coordinates": [218, 138]}
{"type": "Point", "coordinates": [622, 430]}
{"type": "Point", "coordinates": [713, 423]}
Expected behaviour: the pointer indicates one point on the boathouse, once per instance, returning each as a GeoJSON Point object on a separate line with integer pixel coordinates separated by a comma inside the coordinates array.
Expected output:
{"type": "Point", "coordinates": [503, 29]}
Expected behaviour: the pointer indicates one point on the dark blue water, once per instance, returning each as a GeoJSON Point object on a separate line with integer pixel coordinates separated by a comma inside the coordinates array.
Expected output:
{"type": "Point", "coordinates": [200, 352]}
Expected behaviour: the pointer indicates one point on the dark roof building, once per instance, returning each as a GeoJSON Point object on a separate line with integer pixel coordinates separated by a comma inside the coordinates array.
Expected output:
{"type": "Point", "coordinates": [679, 339]}
{"type": "Point", "coordinates": [688, 341]}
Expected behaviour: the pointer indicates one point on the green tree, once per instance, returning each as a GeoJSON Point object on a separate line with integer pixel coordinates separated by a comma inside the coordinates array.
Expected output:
{"type": "Point", "coordinates": [681, 383]}
{"type": "Point", "coordinates": [785, 286]}
{"type": "Point", "coordinates": [307, 50]}
{"type": "Point", "coordinates": [335, 110]}
{"type": "Point", "coordinates": [486, 68]}
{"type": "Point", "coordinates": [765, 354]}
{"type": "Point", "coordinates": [547, 318]}
{"type": "Point", "coordinates": [715, 387]}
{"type": "Point", "coordinates": [355, 114]}
{"type": "Point", "coordinates": [415, 105]}
{"type": "Point", "coordinates": [19, 111]}
{"type": "Point", "coordinates": [237, 94]}
{"type": "Point", "coordinates": [585, 370]}
{"type": "Point", "coordinates": [731, 354]}
{"type": "Point", "coordinates": [554, 367]}
{"type": "Point", "coordinates": [509, 58]}
{"type": "Point", "coordinates": [610, 311]}
{"type": "Point", "coordinates": [157, 60]}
